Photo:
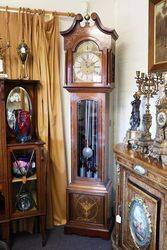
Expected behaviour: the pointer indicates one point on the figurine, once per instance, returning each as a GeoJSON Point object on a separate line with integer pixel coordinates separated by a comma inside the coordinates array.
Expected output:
{"type": "Point", "coordinates": [135, 115]}
{"type": "Point", "coordinates": [133, 134]}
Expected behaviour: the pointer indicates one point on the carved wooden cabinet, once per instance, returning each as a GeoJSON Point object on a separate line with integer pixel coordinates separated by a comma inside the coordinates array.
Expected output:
{"type": "Point", "coordinates": [90, 60]}
{"type": "Point", "coordinates": [22, 166]}
{"type": "Point", "coordinates": [141, 204]}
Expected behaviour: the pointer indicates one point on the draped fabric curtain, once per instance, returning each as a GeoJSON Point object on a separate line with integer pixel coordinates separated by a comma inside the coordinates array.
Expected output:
{"type": "Point", "coordinates": [43, 40]}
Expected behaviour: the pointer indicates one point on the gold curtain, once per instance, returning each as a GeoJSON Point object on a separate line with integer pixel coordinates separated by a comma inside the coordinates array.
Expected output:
{"type": "Point", "coordinates": [43, 40]}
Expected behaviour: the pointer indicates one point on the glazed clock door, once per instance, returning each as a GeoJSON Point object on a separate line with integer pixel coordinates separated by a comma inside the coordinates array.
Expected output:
{"type": "Point", "coordinates": [86, 130]}
{"type": "Point", "coordinates": [87, 63]}
{"type": "Point", "coordinates": [140, 223]}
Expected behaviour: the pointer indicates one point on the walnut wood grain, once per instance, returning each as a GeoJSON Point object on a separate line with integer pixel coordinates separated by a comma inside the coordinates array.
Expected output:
{"type": "Point", "coordinates": [89, 193]}
{"type": "Point", "coordinates": [9, 144]}
{"type": "Point", "coordinates": [151, 187]}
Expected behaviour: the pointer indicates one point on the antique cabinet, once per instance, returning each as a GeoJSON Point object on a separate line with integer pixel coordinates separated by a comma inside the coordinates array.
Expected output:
{"type": "Point", "coordinates": [90, 60]}
{"type": "Point", "coordinates": [22, 166]}
{"type": "Point", "coordinates": [141, 204]}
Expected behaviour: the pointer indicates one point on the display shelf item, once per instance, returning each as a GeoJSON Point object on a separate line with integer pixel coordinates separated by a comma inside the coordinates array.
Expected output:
{"type": "Point", "coordinates": [33, 177]}
{"type": "Point", "coordinates": [23, 163]}
{"type": "Point", "coordinates": [24, 196]}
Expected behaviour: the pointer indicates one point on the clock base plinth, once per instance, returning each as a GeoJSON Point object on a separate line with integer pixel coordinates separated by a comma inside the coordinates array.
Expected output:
{"type": "Point", "coordinates": [89, 210]}
{"type": "Point", "coordinates": [90, 232]}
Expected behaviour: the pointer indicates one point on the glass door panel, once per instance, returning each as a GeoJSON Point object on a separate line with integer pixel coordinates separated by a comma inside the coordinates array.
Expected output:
{"type": "Point", "coordinates": [87, 134]}
{"type": "Point", "coordinates": [23, 180]}
{"type": "Point", "coordinates": [24, 197]}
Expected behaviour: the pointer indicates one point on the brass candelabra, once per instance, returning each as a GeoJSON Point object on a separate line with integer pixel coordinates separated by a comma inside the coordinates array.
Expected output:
{"type": "Point", "coordinates": [148, 87]}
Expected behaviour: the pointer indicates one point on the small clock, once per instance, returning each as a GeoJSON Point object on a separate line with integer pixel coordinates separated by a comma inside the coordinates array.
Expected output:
{"type": "Point", "coordinates": [25, 201]}
{"type": "Point", "coordinates": [87, 63]}
{"type": "Point", "coordinates": [161, 119]}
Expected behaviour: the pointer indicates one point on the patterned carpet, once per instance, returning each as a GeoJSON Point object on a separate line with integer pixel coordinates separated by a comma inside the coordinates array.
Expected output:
{"type": "Point", "coordinates": [56, 240]}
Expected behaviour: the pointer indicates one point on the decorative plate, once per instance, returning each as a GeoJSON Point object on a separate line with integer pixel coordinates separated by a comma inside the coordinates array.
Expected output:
{"type": "Point", "coordinates": [140, 223]}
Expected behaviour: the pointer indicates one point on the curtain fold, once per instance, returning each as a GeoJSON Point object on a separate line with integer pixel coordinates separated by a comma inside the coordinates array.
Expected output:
{"type": "Point", "coordinates": [43, 40]}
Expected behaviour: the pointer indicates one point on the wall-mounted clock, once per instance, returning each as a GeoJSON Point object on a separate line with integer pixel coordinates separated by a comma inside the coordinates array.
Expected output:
{"type": "Point", "coordinates": [90, 58]}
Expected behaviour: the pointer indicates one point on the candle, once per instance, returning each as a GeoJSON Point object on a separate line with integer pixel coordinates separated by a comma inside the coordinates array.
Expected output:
{"type": "Point", "coordinates": [137, 73]}
{"type": "Point", "coordinates": [142, 75]}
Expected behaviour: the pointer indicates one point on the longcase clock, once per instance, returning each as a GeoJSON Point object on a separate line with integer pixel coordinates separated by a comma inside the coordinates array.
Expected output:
{"type": "Point", "coordinates": [90, 66]}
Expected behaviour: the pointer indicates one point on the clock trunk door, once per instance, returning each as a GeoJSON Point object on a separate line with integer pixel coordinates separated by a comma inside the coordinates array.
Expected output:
{"type": "Point", "coordinates": [87, 142]}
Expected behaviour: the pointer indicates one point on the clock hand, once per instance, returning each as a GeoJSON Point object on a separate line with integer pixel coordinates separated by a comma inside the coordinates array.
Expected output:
{"type": "Point", "coordinates": [94, 63]}
{"type": "Point", "coordinates": [84, 59]}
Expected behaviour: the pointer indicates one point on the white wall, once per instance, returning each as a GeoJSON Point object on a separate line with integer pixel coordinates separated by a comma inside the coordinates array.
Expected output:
{"type": "Point", "coordinates": [132, 55]}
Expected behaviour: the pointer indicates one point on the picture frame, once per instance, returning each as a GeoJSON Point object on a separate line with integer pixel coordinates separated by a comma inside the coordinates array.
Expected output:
{"type": "Point", "coordinates": [157, 54]}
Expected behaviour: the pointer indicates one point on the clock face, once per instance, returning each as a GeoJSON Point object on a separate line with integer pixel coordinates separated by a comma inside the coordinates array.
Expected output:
{"type": "Point", "coordinates": [87, 63]}
{"type": "Point", "coordinates": [161, 119]}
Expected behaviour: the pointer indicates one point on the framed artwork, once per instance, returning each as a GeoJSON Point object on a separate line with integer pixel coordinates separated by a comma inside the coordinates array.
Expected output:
{"type": "Point", "coordinates": [157, 58]}
{"type": "Point", "coordinates": [140, 223]}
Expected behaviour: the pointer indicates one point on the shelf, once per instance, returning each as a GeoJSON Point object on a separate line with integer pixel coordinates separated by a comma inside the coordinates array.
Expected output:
{"type": "Point", "coordinates": [34, 209]}
{"type": "Point", "coordinates": [25, 144]}
{"type": "Point", "coordinates": [31, 178]}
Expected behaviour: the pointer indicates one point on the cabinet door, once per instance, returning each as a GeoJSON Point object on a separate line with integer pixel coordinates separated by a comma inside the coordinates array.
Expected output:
{"type": "Point", "coordinates": [25, 180]}
{"type": "Point", "coordinates": [141, 210]}
{"type": "Point", "coordinates": [1, 152]}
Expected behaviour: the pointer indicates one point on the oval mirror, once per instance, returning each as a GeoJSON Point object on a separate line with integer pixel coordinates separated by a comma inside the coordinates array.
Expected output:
{"type": "Point", "coordinates": [19, 113]}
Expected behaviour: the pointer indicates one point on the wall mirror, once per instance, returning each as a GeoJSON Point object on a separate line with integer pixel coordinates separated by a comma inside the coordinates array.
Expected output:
{"type": "Point", "coordinates": [19, 112]}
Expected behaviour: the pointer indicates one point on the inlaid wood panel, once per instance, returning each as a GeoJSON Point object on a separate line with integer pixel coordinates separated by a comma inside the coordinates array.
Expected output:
{"type": "Point", "coordinates": [148, 189]}
{"type": "Point", "coordinates": [86, 208]}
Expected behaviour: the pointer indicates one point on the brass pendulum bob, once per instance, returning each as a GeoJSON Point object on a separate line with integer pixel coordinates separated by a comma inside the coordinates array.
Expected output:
{"type": "Point", "coordinates": [87, 151]}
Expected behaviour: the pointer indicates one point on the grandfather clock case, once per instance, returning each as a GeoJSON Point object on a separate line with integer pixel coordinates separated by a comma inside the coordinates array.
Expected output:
{"type": "Point", "coordinates": [90, 65]}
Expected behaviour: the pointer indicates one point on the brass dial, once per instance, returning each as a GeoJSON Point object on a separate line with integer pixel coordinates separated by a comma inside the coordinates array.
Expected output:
{"type": "Point", "coordinates": [87, 63]}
